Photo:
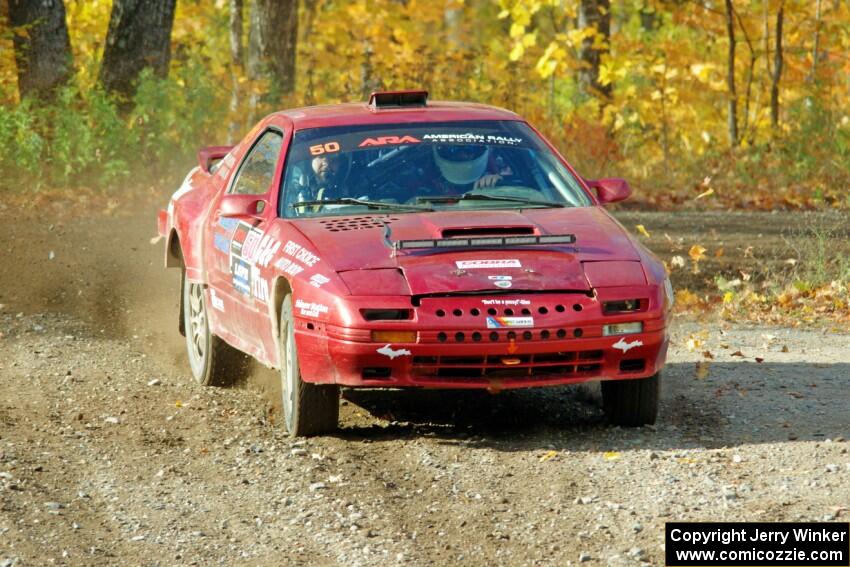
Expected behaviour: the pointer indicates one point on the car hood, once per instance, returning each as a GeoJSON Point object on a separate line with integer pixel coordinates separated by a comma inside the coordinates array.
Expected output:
{"type": "Point", "coordinates": [360, 243]}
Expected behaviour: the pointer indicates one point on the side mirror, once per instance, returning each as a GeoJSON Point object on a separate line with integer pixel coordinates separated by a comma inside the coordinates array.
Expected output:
{"type": "Point", "coordinates": [241, 206]}
{"type": "Point", "coordinates": [611, 189]}
{"type": "Point", "coordinates": [206, 156]}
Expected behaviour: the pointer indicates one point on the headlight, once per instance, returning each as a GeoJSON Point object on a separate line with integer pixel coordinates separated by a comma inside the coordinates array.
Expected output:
{"type": "Point", "coordinates": [622, 329]}
{"type": "Point", "coordinates": [621, 306]}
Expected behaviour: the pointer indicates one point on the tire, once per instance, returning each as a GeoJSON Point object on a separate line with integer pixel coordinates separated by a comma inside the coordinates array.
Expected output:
{"type": "Point", "coordinates": [632, 403]}
{"type": "Point", "coordinates": [308, 409]}
{"type": "Point", "coordinates": [213, 362]}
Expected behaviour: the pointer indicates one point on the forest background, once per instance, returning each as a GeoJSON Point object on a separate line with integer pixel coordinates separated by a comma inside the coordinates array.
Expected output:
{"type": "Point", "coordinates": [711, 103]}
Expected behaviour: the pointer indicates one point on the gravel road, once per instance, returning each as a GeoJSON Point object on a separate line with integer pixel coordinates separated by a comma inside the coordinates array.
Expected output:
{"type": "Point", "coordinates": [110, 454]}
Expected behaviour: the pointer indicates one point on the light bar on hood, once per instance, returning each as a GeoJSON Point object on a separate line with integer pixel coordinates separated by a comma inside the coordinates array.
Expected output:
{"type": "Point", "coordinates": [497, 241]}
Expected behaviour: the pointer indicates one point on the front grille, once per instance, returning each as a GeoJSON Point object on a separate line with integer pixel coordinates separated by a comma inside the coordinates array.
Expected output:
{"type": "Point", "coordinates": [517, 334]}
{"type": "Point", "coordinates": [483, 368]}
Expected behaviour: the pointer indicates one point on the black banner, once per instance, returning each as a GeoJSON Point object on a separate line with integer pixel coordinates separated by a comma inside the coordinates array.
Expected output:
{"type": "Point", "coordinates": [761, 544]}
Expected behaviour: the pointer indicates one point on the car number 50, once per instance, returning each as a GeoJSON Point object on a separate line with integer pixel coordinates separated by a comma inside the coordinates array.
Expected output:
{"type": "Point", "coordinates": [328, 148]}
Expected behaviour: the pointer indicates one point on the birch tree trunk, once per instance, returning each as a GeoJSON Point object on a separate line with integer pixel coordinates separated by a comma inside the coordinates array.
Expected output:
{"type": "Point", "coordinates": [237, 63]}
{"type": "Point", "coordinates": [776, 75]}
{"type": "Point", "coordinates": [730, 77]}
{"type": "Point", "coordinates": [594, 14]}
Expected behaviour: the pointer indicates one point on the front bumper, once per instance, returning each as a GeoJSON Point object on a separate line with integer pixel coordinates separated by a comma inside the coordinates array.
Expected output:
{"type": "Point", "coordinates": [491, 342]}
{"type": "Point", "coordinates": [497, 365]}
{"type": "Point", "coordinates": [475, 357]}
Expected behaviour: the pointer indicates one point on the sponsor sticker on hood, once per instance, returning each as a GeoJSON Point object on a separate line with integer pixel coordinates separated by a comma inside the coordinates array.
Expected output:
{"type": "Point", "coordinates": [483, 264]}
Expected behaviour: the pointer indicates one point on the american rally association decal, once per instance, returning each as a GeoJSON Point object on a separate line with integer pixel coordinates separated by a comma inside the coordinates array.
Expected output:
{"type": "Point", "coordinates": [483, 264]}
{"type": "Point", "coordinates": [500, 322]}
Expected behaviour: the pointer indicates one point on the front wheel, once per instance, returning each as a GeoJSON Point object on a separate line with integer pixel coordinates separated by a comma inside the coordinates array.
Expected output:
{"type": "Point", "coordinates": [213, 362]}
{"type": "Point", "coordinates": [632, 403]}
{"type": "Point", "coordinates": [308, 409]}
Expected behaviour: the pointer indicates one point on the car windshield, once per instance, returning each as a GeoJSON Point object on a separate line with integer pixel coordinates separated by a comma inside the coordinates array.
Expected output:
{"type": "Point", "coordinates": [427, 166]}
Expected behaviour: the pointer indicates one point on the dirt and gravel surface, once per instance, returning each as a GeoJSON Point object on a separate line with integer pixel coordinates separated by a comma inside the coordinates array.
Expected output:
{"type": "Point", "coordinates": [110, 454]}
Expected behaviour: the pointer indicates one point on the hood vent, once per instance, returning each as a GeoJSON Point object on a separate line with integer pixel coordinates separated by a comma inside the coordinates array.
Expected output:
{"type": "Point", "coordinates": [463, 232]}
{"type": "Point", "coordinates": [355, 223]}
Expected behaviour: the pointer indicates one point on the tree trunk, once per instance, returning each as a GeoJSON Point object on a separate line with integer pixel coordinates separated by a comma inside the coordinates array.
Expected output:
{"type": "Point", "coordinates": [237, 51]}
{"type": "Point", "coordinates": [594, 14]}
{"type": "Point", "coordinates": [730, 76]}
{"type": "Point", "coordinates": [237, 62]}
{"type": "Point", "coordinates": [139, 36]}
{"type": "Point", "coordinates": [272, 45]}
{"type": "Point", "coordinates": [42, 54]}
{"type": "Point", "coordinates": [816, 46]}
{"type": "Point", "coordinates": [777, 68]}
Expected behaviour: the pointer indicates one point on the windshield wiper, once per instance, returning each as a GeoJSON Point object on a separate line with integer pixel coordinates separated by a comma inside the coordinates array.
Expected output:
{"type": "Point", "coordinates": [483, 197]}
{"type": "Point", "coordinates": [362, 202]}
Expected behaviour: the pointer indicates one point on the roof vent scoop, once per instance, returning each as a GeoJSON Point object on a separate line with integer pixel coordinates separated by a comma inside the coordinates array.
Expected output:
{"type": "Point", "coordinates": [396, 99]}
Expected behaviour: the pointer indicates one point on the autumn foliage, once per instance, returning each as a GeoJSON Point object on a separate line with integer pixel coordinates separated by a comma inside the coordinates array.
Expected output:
{"type": "Point", "coordinates": [649, 100]}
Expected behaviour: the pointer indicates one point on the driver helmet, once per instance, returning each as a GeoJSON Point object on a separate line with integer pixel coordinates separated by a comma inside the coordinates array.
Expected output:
{"type": "Point", "coordinates": [461, 164]}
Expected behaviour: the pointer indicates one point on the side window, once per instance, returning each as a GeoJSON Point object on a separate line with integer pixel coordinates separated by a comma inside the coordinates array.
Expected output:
{"type": "Point", "coordinates": [255, 175]}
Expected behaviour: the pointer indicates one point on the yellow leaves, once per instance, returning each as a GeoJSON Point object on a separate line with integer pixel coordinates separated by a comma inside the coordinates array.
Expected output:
{"type": "Point", "coordinates": [611, 455]}
{"type": "Point", "coordinates": [696, 340]}
{"type": "Point", "coordinates": [517, 51]}
{"type": "Point", "coordinates": [517, 30]}
{"type": "Point", "coordinates": [642, 229]}
{"type": "Point", "coordinates": [548, 455]}
{"type": "Point", "coordinates": [697, 254]}
{"type": "Point", "coordinates": [703, 71]}
{"type": "Point", "coordinates": [551, 58]}
{"type": "Point", "coordinates": [708, 192]}
{"type": "Point", "coordinates": [687, 298]}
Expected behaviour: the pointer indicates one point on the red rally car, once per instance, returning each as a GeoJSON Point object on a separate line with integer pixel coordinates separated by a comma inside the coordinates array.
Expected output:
{"type": "Point", "coordinates": [408, 243]}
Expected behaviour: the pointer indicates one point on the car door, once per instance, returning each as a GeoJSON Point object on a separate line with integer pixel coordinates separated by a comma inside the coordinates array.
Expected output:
{"type": "Point", "coordinates": [237, 248]}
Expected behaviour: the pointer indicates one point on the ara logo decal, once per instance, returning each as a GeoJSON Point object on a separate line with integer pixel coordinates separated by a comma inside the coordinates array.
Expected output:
{"type": "Point", "coordinates": [626, 347]}
{"type": "Point", "coordinates": [503, 282]}
{"type": "Point", "coordinates": [392, 353]}
{"type": "Point", "coordinates": [387, 140]}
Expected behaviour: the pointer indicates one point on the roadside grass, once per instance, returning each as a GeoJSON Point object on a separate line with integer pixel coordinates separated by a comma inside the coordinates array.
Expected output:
{"type": "Point", "coordinates": [810, 286]}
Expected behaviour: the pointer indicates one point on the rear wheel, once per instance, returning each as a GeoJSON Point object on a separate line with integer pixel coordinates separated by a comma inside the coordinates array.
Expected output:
{"type": "Point", "coordinates": [213, 362]}
{"type": "Point", "coordinates": [308, 409]}
{"type": "Point", "coordinates": [632, 403]}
